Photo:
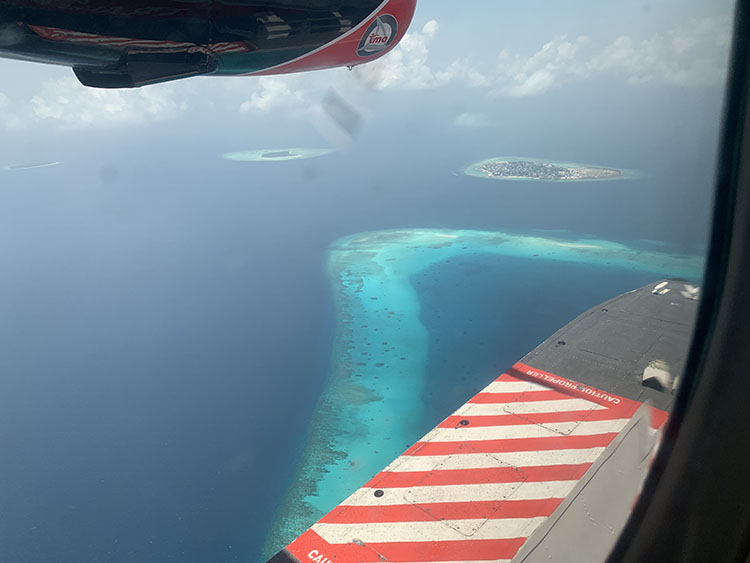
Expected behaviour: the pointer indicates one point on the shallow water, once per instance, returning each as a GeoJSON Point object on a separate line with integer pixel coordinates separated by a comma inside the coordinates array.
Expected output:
{"type": "Point", "coordinates": [423, 322]}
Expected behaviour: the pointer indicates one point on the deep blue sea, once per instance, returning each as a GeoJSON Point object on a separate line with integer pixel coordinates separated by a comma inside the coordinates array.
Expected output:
{"type": "Point", "coordinates": [484, 313]}
{"type": "Point", "coordinates": [167, 322]}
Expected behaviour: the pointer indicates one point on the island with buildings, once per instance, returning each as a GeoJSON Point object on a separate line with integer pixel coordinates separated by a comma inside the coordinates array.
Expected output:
{"type": "Point", "coordinates": [518, 168]}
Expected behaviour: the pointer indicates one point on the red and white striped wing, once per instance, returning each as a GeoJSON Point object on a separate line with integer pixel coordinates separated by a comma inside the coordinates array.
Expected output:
{"type": "Point", "coordinates": [479, 484]}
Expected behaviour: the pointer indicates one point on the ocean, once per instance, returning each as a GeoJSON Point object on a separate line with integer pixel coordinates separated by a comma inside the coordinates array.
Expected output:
{"type": "Point", "coordinates": [173, 323]}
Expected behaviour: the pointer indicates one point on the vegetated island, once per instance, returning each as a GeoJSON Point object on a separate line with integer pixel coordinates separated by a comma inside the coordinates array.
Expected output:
{"type": "Point", "coordinates": [276, 154]}
{"type": "Point", "coordinates": [516, 168]}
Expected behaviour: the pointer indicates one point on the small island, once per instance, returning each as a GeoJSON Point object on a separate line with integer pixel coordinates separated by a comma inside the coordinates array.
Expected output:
{"type": "Point", "coordinates": [32, 165]}
{"type": "Point", "coordinates": [260, 155]}
{"type": "Point", "coordinates": [517, 168]}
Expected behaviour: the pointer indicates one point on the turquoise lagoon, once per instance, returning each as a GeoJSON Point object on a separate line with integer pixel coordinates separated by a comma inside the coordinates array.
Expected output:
{"type": "Point", "coordinates": [375, 403]}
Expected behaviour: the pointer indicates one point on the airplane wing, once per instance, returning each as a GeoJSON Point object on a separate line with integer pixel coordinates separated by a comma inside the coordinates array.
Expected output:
{"type": "Point", "coordinates": [112, 44]}
{"type": "Point", "coordinates": [547, 459]}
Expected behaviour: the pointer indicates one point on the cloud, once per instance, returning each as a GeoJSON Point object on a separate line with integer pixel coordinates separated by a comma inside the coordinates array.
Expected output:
{"type": "Point", "coordinates": [406, 66]}
{"type": "Point", "coordinates": [73, 106]}
{"type": "Point", "coordinates": [557, 62]}
{"type": "Point", "coordinates": [472, 120]}
{"type": "Point", "coordinates": [693, 54]}
{"type": "Point", "coordinates": [534, 84]}
{"type": "Point", "coordinates": [431, 28]}
{"type": "Point", "coordinates": [690, 55]}
{"type": "Point", "coordinates": [274, 93]}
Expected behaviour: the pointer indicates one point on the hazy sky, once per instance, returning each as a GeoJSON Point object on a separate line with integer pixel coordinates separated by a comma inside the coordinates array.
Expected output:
{"type": "Point", "coordinates": [489, 53]}
{"type": "Point", "coordinates": [618, 84]}
{"type": "Point", "coordinates": [157, 302]}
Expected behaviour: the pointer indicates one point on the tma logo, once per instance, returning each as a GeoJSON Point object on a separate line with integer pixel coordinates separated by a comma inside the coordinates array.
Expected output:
{"type": "Point", "coordinates": [379, 36]}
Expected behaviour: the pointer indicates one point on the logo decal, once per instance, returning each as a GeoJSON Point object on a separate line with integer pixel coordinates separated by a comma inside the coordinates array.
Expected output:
{"type": "Point", "coordinates": [379, 36]}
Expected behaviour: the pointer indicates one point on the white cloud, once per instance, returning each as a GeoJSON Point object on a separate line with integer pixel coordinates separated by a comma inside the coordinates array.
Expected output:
{"type": "Point", "coordinates": [538, 82]}
{"type": "Point", "coordinates": [693, 54]}
{"type": "Point", "coordinates": [620, 53]}
{"type": "Point", "coordinates": [273, 93]}
{"type": "Point", "coordinates": [557, 62]}
{"type": "Point", "coordinates": [406, 67]}
{"type": "Point", "coordinates": [431, 28]}
{"type": "Point", "coordinates": [74, 106]}
{"type": "Point", "coordinates": [463, 72]}
{"type": "Point", "coordinates": [472, 120]}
